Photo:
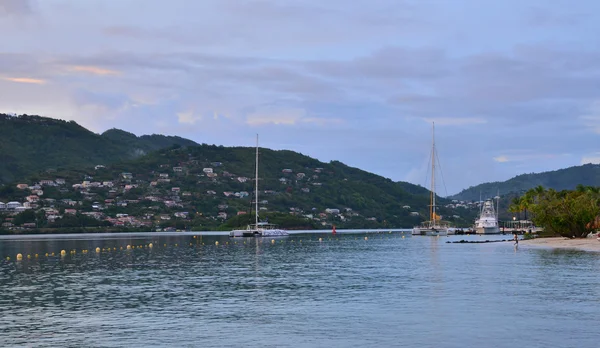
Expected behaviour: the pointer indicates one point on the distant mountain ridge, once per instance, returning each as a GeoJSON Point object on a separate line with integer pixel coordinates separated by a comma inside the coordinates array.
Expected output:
{"type": "Point", "coordinates": [561, 179]}
{"type": "Point", "coordinates": [30, 144]}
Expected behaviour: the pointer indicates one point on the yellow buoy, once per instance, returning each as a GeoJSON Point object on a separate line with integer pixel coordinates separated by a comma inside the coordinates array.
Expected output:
{"type": "Point", "coordinates": [36, 256]}
{"type": "Point", "coordinates": [115, 249]}
{"type": "Point", "coordinates": [121, 248]}
{"type": "Point", "coordinates": [272, 241]}
{"type": "Point", "coordinates": [402, 236]}
{"type": "Point", "coordinates": [52, 254]}
{"type": "Point", "coordinates": [217, 243]}
{"type": "Point", "coordinates": [175, 244]}
{"type": "Point", "coordinates": [366, 238]}
{"type": "Point", "coordinates": [165, 245]}
{"type": "Point", "coordinates": [63, 253]}
{"type": "Point", "coordinates": [97, 249]}
{"type": "Point", "coordinates": [46, 254]}
{"type": "Point", "coordinates": [29, 257]}
{"type": "Point", "coordinates": [320, 239]}
{"type": "Point", "coordinates": [8, 258]}
{"type": "Point", "coordinates": [150, 245]}
{"type": "Point", "coordinates": [128, 247]}
{"type": "Point", "coordinates": [19, 257]}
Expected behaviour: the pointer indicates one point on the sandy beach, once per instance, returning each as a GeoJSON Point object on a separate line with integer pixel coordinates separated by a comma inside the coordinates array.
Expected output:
{"type": "Point", "coordinates": [587, 244]}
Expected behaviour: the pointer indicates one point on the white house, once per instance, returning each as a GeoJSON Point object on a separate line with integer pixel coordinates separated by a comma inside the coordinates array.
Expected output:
{"type": "Point", "coordinates": [207, 170]}
{"type": "Point", "coordinates": [2, 206]}
{"type": "Point", "coordinates": [332, 211]}
{"type": "Point", "coordinates": [13, 205]}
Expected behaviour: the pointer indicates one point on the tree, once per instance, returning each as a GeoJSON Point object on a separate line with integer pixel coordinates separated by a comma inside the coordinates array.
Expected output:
{"type": "Point", "coordinates": [571, 214]}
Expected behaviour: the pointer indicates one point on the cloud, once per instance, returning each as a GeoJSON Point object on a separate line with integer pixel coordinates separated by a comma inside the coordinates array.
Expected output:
{"type": "Point", "coordinates": [16, 7]}
{"type": "Point", "coordinates": [501, 159]}
{"type": "Point", "coordinates": [25, 80]}
{"type": "Point", "coordinates": [591, 158]}
{"type": "Point", "coordinates": [188, 117]}
{"type": "Point", "coordinates": [94, 70]}
{"type": "Point", "coordinates": [591, 118]}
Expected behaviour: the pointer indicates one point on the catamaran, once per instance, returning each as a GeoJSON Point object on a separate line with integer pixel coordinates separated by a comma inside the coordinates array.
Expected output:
{"type": "Point", "coordinates": [434, 226]}
{"type": "Point", "coordinates": [259, 228]}
{"type": "Point", "coordinates": [488, 219]}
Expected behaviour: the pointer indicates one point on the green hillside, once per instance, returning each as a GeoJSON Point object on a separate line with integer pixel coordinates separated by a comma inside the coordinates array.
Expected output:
{"type": "Point", "coordinates": [562, 179]}
{"type": "Point", "coordinates": [32, 144]}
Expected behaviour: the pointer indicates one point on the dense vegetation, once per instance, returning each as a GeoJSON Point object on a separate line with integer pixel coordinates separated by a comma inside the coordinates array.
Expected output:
{"type": "Point", "coordinates": [569, 213]}
{"type": "Point", "coordinates": [33, 144]}
{"type": "Point", "coordinates": [563, 179]}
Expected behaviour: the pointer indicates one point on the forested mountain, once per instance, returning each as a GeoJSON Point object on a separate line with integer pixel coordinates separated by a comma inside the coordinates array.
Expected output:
{"type": "Point", "coordinates": [562, 179]}
{"type": "Point", "coordinates": [30, 144]}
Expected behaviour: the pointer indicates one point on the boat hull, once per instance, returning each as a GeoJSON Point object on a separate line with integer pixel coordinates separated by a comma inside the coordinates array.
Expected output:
{"type": "Point", "coordinates": [257, 233]}
{"type": "Point", "coordinates": [487, 230]}
{"type": "Point", "coordinates": [429, 232]}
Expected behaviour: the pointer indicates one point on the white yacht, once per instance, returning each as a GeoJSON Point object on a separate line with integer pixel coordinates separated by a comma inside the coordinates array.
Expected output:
{"type": "Point", "coordinates": [434, 226]}
{"type": "Point", "coordinates": [258, 228]}
{"type": "Point", "coordinates": [488, 219]}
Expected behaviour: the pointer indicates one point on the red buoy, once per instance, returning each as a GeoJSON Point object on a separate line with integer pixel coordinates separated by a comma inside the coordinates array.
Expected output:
{"type": "Point", "coordinates": [333, 232]}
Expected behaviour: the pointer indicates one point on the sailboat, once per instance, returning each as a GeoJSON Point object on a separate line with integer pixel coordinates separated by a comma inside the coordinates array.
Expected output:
{"type": "Point", "coordinates": [434, 226]}
{"type": "Point", "coordinates": [488, 218]}
{"type": "Point", "coordinates": [259, 228]}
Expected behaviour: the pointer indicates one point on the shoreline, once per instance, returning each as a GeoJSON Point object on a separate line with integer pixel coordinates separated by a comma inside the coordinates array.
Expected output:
{"type": "Point", "coordinates": [584, 244]}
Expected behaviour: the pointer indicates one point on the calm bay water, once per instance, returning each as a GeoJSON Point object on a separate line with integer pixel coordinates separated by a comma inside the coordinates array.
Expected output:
{"type": "Point", "coordinates": [343, 291]}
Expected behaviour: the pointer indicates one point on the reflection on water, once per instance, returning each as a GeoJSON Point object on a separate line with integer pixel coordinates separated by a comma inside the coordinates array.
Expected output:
{"type": "Point", "coordinates": [343, 291]}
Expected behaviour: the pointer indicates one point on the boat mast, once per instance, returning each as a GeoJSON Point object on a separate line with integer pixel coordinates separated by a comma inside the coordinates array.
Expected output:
{"type": "Point", "coordinates": [256, 187]}
{"type": "Point", "coordinates": [432, 211]}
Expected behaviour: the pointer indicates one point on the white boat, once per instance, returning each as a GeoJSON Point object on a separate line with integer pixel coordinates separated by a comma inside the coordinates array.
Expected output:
{"type": "Point", "coordinates": [434, 226]}
{"type": "Point", "coordinates": [258, 228]}
{"type": "Point", "coordinates": [488, 219]}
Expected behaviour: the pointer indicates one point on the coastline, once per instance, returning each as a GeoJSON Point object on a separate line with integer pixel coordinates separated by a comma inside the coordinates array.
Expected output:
{"type": "Point", "coordinates": [584, 244]}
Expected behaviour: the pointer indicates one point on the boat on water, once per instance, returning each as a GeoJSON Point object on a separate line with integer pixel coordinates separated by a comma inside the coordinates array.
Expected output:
{"type": "Point", "coordinates": [258, 228]}
{"type": "Point", "coordinates": [487, 223]}
{"type": "Point", "coordinates": [435, 226]}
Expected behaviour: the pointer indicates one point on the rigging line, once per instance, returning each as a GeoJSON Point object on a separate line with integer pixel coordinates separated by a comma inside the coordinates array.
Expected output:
{"type": "Point", "coordinates": [427, 174]}
{"type": "Point", "coordinates": [441, 172]}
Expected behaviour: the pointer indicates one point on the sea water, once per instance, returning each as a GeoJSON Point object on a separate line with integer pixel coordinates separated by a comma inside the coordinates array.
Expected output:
{"type": "Point", "coordinates": [305, 290]}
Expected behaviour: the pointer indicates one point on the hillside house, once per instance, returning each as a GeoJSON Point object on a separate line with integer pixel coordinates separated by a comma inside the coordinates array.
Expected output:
{"type": "Point", "coordinates": [300, 176]}
{"type": "Point", "coordinates": [2, 206]}
{"type": "Point", "coordinates": [287, 171]}
{"type": "Point", "coordinates": [175, 189]}
{"type": "Point", "coordinates": [127, 176]}
{"type": "Point", "coordinates": [182, 214]}
{"type": "Point", "coordinates": [22, 186]}
{"type": "Point", "coordinates": [153, 183]}
{"type": "Point", "coordinates": [406, 207]}
{"type": "Point", "coordinates": [32, 198]}
{"type": "Point", "coordinates": [207, 170]}
{"type": "Point", "coordinates": [332, 211]}
{"type": "Point", "coordinates": [165, 217]}
{"type": "Point", "coordinates": [186, 194]}
{"type": "Point", "coordinates": [60, 181]}
{"type": "Point", "coordinates": [99, 166]}
{"type": "Point", "coordinates": [244, 194]}
{"type": "Point", "coordinates": [241, 213]}
{"type": "Point", "coordinates": [211, 192]}
{"type": "Point", "coordinates": [228, 193]}
{"type": "Point", "coordinates": [222, 215]}
{"type": "Point", "coordinates": [222, 206]}
{"type": "Point", "coordinates": [211, 175]}
{"type": "Point", "coordinates": [71, 211]}
{"type": "Point", "coordinates": [47, 183]}
{"type": "Point", "coordinates": [178, 169]}
{"type": "Point", "coordinates": [414, 213]}
{"type": "Point", "coordinates": [305, 189]}
{"type": "Point", "coordinates": [282, 180]}
{"type": "Point", "coordinates": [163, 175]}
{"type": "Point", "coordinates": [242, 179]}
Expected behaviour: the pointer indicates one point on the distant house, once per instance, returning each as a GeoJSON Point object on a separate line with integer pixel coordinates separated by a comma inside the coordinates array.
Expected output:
{"type": "Point", "coordinates": [178, 169]}
{"type": "Point", "coordinates": [47, 183]}
{"type": "Point", "coordinates": [406, 207]}
{"type": "Point", "coordinates": [22, 186]}
{"type": "Point", "coordinates": [127, 176]}
{"type": "Point", "coordinates": [181, 214]}
{"type": "Point", "coordinates": [228, 193]}
{"type": "Point", "coordinates": [165, 217]}
{"type": "Point", "coordinates": [300, 176]}
{"type": "Point", "coordinates": [242, 179]}
{"type": "Point", "coordinates": [99, 166]}
{"type": "Point", "coordinates": [332, 211]}
{"type": "Point", "coordinates": [241, 213]}
{"type": "Point", "coordinates": [207, 170]}
{"type": "Point", "coordinates": [71, 211]}
{"type": "Point", "coordinates": [32, 198]}
{"type": "Point", "coordinates": [163, 175]}
{"type": "Point", "coordinates": [2, 206]}
{"type": "Point", "coordinates": [211, 192]}
{"type": "Point", "coordinates": [282, 180]}
{"type": "Point", "coordinates": [211, 175]}
{"type": "Point", "coordinates": [244, 194]}
{"type": "Point", "coordinates": [175, 189]}
{"type": "Point", "coordinates": [414, 213]}
{"type": "Point", "coordinates": [223, 206]}
{"type": "Point", "coordinates": [153, 183]}
{"type": "Point", "coordinates": [60, 181]}
{"type": "Point", "coordinates": [305, 189]}
{"type": "Point", "coordinates": [286, 171]}
{"type": "Point", "coordinates": [222, 215]}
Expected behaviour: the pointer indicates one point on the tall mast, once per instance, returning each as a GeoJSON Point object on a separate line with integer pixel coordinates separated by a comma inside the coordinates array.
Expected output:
{"type": "Point", "coordinates": [256, 187]}
{"type": "Point", "coordinates": [433, 217]}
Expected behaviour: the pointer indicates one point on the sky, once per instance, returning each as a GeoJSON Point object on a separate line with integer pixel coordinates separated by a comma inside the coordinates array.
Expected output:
{"type": "Point", "coordinates": [513, 86]}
